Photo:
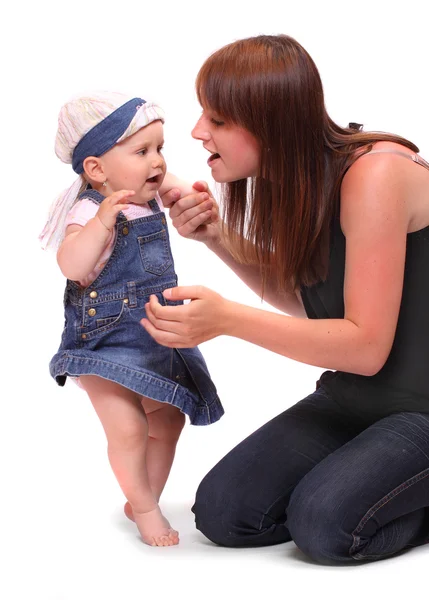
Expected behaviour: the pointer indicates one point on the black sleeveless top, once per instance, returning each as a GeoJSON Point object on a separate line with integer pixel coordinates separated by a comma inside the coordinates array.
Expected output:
{"type": "Point", "coordinates": [403, 382]}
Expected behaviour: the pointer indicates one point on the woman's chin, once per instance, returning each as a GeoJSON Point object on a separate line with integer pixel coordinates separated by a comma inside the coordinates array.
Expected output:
{"type": "Point", "coordinates": [223, 177]}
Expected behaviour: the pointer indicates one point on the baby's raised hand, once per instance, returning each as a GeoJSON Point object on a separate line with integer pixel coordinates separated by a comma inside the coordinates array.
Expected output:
{"type": "Point", "coordinates": [112, 206]}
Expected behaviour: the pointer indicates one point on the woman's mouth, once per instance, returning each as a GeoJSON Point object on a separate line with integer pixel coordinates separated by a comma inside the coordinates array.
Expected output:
{"type": "Point", "coordinates": [212, 158]}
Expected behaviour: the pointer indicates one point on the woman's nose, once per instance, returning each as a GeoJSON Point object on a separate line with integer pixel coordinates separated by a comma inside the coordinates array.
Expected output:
{"type": "Point", "coordinates": [200, 132]}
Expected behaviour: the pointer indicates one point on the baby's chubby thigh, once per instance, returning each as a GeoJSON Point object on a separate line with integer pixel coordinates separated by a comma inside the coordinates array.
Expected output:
{"type": "Point", "coordinates": [165, 421]}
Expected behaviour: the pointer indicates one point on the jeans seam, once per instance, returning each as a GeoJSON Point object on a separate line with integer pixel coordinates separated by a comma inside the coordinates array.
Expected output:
{"type": "Point", "coordinates": [266, 513]}
{"type": "Point", "coordinates": [376, 507]}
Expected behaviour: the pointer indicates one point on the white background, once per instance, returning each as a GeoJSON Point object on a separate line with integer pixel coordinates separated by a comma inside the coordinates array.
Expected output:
{"type": "Point", "coordinates": [62, 532]}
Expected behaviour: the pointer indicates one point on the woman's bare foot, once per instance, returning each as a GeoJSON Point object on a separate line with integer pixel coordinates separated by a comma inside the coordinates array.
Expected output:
{"type": "Point", "coordinates": [154, 528]}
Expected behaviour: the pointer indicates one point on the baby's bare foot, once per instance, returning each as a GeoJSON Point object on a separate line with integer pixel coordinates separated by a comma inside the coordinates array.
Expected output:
{"type": "Point", "coordinates": [172, 532]}
{"type": "Point", "coordinates": [153, 527]}
{"type": "Point", "coordinates": [128, 511]}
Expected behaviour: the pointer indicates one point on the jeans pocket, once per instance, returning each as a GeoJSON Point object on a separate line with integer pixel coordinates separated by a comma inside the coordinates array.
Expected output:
{"type": "Point", "coordinates": [155, 252]}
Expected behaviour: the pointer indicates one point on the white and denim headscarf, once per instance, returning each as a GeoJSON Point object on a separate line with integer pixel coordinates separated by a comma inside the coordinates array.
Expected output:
{"type": "Point", "coordinates": [89, 126]}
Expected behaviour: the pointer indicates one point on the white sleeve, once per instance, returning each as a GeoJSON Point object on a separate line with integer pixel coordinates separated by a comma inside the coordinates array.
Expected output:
{"type": "Point", "coordinates": [82, 212]}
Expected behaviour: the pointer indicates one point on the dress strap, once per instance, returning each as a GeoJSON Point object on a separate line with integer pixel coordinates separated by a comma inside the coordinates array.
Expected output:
{"type": "Point", "coordinates": [91, 194]}
{"type": "Point", "coordinates": [154, 206]}
{"type": "Point", "coordinates": [414, 157]}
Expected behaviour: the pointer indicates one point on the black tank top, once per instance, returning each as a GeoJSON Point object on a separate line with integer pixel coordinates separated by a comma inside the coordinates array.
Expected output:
{"type": "Point", "coordinates": [403, 382]}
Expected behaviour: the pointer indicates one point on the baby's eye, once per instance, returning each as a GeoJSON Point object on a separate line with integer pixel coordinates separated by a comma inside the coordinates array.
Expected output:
{"type": "Point", "coordinates": [160, 149]}
{"type": "Point", "coordinates": [143, 151]}
{"type": "Point", "coordinates": [216, 122]}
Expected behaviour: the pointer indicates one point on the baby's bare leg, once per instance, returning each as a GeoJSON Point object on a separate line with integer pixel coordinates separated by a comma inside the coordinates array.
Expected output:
{"type": "Point", "coordinates": [125, 424]}
{"type": "Point", "coordinates": [165, 423]}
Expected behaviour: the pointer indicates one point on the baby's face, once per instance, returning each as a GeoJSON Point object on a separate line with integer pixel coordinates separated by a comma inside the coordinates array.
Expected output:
{"type": "Point", "coordinates": [137, 163]}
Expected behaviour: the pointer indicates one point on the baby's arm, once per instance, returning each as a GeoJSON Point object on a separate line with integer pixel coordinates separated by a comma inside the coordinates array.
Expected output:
{"type": "Point", "coordinates": [81, 249]}
{"type": "Point", "coordinates": [172, 182]}
{"type": "Point", "coordinates": [83, 245]}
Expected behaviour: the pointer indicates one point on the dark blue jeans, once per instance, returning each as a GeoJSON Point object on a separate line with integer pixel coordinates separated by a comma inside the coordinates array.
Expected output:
{"type": "Point", "coordinates": [343, 489]}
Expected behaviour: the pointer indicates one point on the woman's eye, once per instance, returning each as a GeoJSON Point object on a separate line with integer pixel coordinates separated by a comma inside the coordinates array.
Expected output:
{"type": "Point", "coordinates": [216, 122]}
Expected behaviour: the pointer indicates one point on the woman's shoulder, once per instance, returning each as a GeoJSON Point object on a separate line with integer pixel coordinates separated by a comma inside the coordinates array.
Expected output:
{"type": "Point", "coordinates": [389, 178]}
{"type": "Point", "coordinates": [384, 164]}
{"type": "Point", "coordinates": [383, 154]}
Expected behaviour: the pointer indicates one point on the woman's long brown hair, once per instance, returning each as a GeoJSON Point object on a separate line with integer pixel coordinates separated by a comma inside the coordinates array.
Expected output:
{"type": "Point", "coordinates": [270, 86]}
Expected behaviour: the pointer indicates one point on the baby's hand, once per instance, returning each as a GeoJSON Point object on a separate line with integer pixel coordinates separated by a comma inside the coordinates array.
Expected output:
{"type": "Point", "coordinates": [112, 206]}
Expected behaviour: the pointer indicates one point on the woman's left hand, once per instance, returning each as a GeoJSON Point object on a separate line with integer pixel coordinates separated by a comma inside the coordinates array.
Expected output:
{"type": "Point", "coordinates": [187, 325]}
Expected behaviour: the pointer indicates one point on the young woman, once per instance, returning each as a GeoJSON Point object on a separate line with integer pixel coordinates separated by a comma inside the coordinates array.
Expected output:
{"type": "Point", "coordinates": [332, 224]}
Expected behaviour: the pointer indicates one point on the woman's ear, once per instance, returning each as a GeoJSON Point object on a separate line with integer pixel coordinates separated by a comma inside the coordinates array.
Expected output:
{"type": "Point", "coordinates": [93, 168]}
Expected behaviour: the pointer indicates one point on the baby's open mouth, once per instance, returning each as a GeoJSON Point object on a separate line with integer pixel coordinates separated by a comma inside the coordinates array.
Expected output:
{"type": "Point", "coordinates": [153, 179]}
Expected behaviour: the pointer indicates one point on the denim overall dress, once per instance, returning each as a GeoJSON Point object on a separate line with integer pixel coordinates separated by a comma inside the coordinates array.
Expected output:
{"type": "Point", "coordinates": [102, 333]}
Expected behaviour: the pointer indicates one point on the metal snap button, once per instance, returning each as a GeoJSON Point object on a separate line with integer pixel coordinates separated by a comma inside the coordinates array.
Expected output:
{"type": "Point", "coordinates": [125, 231]}
{"type": "Point", "coordinates": [83, 336]}
{"type": "Point", "coordinates": [92, 312]}
{"type": "Point", "coordinates": [126, 300]}
{"type": "Point", "coordinates": [93, 294]}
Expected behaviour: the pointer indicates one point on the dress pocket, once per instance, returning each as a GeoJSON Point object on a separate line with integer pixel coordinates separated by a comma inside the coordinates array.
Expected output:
{"type": "Point", "coordinates": [102, 317]}
{"type": "Point", "coordinates": [155, 252]}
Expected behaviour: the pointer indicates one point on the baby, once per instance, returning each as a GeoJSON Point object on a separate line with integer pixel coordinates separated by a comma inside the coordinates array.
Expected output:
{"type": "Point", "coordinates": [114, 249]}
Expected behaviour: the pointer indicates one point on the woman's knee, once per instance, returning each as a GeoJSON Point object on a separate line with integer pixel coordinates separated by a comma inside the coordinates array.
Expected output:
{"type": "Point", "coordinates": [216, 515]}
{"type": "Point", "coordinates": [317, 524]}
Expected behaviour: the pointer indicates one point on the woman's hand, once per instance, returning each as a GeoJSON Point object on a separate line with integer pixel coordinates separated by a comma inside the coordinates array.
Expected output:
{"type": "Point", "coordinates": [195, 216]}
{"type": "Point", "coordinates": [187, 325]}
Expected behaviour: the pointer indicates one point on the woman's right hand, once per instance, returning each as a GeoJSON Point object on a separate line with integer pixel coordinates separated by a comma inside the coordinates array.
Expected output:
{"type": "Point", "coordinates": [195, 216]}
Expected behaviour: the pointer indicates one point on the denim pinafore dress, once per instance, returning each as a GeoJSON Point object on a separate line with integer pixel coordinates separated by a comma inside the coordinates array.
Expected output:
{"type": "Point", "coordinates": [102, 333]}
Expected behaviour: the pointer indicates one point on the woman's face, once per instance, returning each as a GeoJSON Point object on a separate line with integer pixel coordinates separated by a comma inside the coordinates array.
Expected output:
{"type": "Point", "coordinates": [234, 152]}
